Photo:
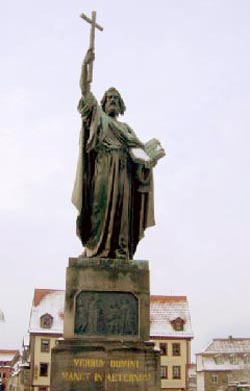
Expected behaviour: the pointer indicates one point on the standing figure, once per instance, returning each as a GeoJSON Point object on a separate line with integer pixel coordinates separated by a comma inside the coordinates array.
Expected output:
{"type": "Point", "coordinates": [113, 190]}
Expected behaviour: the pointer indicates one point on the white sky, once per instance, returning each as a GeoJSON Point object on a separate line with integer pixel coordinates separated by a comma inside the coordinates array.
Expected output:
{"type": "Point", "coordinates": [183, 70]}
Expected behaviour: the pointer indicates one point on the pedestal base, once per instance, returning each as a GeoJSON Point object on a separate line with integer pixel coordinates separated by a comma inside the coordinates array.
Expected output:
{"type": "Point", "coordinates": [104, 366]}
{"type": "Point", "coordinates": [106, 324]}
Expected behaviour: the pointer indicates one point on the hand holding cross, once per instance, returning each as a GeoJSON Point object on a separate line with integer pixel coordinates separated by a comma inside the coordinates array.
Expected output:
{"type": "Point", "coordinates": [94, 25]}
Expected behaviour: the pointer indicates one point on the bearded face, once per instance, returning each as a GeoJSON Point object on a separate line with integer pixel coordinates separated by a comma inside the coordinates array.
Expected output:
{"type": "Point", "coordinates": [112, 104]}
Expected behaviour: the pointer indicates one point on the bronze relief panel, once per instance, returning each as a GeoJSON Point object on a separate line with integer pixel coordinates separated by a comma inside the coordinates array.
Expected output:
{"type": "Point", "coordinates": [106, 313]}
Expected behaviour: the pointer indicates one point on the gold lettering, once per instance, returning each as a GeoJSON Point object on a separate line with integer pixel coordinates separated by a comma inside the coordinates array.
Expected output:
{"type": "Point", "coordinates": [65, 375]}
{"type": "Point", "coordinates": [98, 377]}
{"type": "Point", "coordinates": [124, 364]}
{"type": "Point", "coordinates": [75, 376]}
{"type": "Point", "coordinates": [88, 363]}
{"type": "Point", "coordinates": [128, 377]}
{"type": "Point", "coordinates": [76, 362]}
{"type": "Point", "coordinates": [112, 377]}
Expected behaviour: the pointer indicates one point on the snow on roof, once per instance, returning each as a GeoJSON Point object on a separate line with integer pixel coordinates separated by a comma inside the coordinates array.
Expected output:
{"type": "Point", "coordinates": [165, 309]}
{"type": "Point", "coordinates": [225, 354]}
{"type": "Point", "coordinates": [47, 301]}
{"type": "Point", "coordinates": [228, 345]}
{"type": "Point", "coordinates": [8, 355]}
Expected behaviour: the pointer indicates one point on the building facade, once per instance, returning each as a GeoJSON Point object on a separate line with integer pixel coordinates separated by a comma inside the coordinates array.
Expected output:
{"type": "Point", "coordinates": [20, 377]}
{"type": "Point", "coordinates": [45, 327]}
{"type": "Point", "coordinates": [8, 359]}
{"type": "Point", "coordinates": [171, 330]}
{"type": "Point", "coordinates": [224, 365]}
{"type": "Point", "coordinates": [192, 378]}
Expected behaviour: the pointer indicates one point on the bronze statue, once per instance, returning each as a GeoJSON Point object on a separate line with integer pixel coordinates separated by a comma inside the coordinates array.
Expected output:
{"type": "Point", "coordinates": [113, 190]}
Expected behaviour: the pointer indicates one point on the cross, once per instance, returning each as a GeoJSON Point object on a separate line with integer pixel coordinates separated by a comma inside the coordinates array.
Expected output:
{"type": "Point", "coordinates": [94, 25]}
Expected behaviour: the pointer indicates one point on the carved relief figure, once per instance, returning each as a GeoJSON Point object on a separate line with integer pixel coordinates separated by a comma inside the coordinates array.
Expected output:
{"type": "Point", "coordinates": [126, 320]}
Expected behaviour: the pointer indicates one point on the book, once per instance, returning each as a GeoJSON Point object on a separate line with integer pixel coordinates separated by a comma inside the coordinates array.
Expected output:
{"type": "Point", "coordinates": [152, 152]}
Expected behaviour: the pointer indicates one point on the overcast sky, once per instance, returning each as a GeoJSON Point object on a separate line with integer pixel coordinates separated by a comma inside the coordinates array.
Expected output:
{"type": "Point", "coordinates": [182, 67]}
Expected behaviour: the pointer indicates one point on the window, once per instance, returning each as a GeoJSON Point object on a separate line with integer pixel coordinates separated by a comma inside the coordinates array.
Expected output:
{"type": "Point", "coordinates": [163, 349]}
{"type": "Point", "coordinates": [176, 349]}
{"type": "Point", "coordinates": [214, 378]}
{"type": "Point", "coordinates": [219, 359]}
{"type": "Point", "coordinates": [247, 359]}
{"type": "Point", "coordinates": [44, 369]}
{"type": "Point", "coordinates": [233, 360]}
{"type": "Point", "coordinates": [46, 321]}
{"type": "Point", "coordinates": [164, 372]}
{"type": "Point", "coordinates": [45, 345]}
{"type": "Point", "coordinates": [176, 372]}
{"type": "Point", "coordinates": [43, 389]}
{"type": "Point", "coordinates": [178, 324]}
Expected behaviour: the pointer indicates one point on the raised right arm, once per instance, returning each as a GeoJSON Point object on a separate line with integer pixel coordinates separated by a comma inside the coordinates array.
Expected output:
{"type": "Point", "coordinates": [84, 79]}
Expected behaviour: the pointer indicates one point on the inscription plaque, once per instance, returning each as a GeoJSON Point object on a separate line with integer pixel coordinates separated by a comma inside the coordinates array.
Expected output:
{"type": "Point", "coordinates": [106, 313]}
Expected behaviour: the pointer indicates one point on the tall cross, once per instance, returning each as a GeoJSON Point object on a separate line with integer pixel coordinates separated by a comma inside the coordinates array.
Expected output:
{"type": "Point", "coordinates": [94, 25]}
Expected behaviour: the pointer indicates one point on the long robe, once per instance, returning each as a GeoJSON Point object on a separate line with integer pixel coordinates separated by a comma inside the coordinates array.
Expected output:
{"type": "Point", "coordinates": [113, 193]}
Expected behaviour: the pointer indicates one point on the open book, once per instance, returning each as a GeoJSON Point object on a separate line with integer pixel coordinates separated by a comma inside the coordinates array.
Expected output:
{"type": "Point", "coordinates": [153, 151]}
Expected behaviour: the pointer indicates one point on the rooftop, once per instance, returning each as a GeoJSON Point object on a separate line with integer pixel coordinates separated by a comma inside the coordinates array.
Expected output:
{"type": "Point", "coordinates": [165, 309]}
{"type": "Point", "coordinates": [47, 301]}
{"type": "Point", "coordinates": [8, 355]}
{"type": "Point", "coordinates": [225, 354]}
{"type": "Point", "coordinates": [228, 345]}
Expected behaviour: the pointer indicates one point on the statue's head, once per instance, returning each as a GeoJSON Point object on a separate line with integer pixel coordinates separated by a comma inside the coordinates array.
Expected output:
{"type": "Point", "coordinates": [112, 102]}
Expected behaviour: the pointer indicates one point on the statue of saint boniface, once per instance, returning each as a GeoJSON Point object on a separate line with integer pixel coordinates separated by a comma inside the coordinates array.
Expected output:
{"type": "Point", "coordinates": [113, 190]}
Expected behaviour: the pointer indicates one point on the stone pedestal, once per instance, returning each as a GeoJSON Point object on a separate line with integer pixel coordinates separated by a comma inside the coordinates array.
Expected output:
{"type": "Point", "coordinates": [106, 329]}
